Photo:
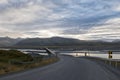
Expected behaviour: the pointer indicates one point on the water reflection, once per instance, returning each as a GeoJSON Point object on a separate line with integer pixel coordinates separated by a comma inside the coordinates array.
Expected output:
{"type": "Point", "coordinates": [115, 55]}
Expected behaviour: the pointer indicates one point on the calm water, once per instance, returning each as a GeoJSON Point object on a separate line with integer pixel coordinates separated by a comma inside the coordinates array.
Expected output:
{"type": "Point", "coordinates": [27, 51]}
{"type": "Point", "coordinates": [116, 55]}
{"type": "Point", "coordinates": [102, 54]}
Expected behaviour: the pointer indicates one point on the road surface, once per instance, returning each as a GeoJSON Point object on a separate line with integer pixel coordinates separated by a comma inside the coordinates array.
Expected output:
{"type": "Point", "coordinates": [68, 68]}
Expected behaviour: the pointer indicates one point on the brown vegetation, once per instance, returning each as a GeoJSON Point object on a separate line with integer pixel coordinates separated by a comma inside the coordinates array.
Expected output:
{"type": "Point", "coordinates": [13, 61]}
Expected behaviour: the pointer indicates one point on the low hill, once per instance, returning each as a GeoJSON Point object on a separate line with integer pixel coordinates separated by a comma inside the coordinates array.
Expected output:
{"type": "Point", "coordinates": [8, 55]}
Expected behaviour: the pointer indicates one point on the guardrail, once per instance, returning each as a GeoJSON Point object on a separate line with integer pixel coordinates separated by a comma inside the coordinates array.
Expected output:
{"type": "Point", "coordinates": [113, 62]}
{"type": "Point", "coordinates": [50, 52]}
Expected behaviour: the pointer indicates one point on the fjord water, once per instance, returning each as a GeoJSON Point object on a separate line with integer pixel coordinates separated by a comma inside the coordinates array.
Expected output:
{"type": "Point", "coordinates": [101, 54]}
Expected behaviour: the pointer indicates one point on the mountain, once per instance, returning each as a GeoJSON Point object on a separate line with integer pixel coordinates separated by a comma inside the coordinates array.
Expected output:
{"type": "Point", "coordinates": [57, 42]}
{"type": "Point", "coordinates": [117, 40]}
{"type": "Point", "coordinates": [54, 41]}
{"type": "Point", "coordinates": [70, 42]}
{"type": "Point", "coordinates": [6, 41]}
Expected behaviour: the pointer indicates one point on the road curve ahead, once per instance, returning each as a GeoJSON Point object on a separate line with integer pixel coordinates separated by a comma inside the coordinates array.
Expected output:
{"type": "Point", "coordinates": [68, 68]}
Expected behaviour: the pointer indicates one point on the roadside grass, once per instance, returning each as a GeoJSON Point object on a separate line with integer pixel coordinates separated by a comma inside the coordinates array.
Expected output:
{"type": "Point", "coordinates": [41, 63]}
{"type": "Point", "coordinates": [14, 55]}
{"type": "Point", "coordinates": [11, 61]}
{"type": "Point", "coordinates": [115, 64]}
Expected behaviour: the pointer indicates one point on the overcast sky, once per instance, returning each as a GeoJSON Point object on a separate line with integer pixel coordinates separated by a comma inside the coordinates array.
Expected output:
{"type": "Point", "coordinates": [81, 19]}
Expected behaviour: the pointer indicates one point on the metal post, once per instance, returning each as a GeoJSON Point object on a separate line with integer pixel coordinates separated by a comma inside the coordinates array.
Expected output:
{"type": "Point", "coordinates": [109, 62]}
{"type": "Point", "coordinates": [105, 61]}
{"type": "Point", "coordinates": [89, 54]}
{"type": "Point", "coordinates": [85, 54]}
{"type": "Point", "coordinates": [76, 54]}
{"type": "Point", "coordinates": [110, 54]}
{"type": "Point", "coordinates": [116, 63]}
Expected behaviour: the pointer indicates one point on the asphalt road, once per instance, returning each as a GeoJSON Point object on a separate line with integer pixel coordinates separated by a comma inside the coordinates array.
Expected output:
{"type": "Point", "coordinates": [68, 68]}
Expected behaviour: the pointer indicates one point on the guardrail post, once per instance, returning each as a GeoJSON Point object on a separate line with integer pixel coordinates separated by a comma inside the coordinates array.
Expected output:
{"type": "Point", "coordinates": [109, 62]}
{"type": "Point", "coordinates": [110, 54]}
{"type": "Point", "coordinates": [116, 63]}
{"type": "Point", "coordinates": [105, 61]}
{"type": "Point", "coordinates": [76, 54]}
{"type": "Point", "coordinates": [89, 54]}
{"type": "Point", "coordinates": [85, 54]}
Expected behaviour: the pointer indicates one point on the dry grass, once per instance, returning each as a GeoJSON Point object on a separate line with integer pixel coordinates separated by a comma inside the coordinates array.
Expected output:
{"type": "Point", "coordinates": [8, 68]}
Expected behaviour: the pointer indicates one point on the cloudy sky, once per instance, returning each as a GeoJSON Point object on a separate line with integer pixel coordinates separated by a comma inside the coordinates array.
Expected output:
{"type": "Point", "coordinates": [81, 19]}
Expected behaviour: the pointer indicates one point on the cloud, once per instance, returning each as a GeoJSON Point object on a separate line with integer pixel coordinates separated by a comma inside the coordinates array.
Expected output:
{"type": "Point", "coordinates": [110, 31]}
{"type": "Point", "coordinates": [44, 33]}
{"type": "Point", "coordinates": [3, 1]}
{"type": "Point", "coordinates": [26, 14]}
{"type": "Point", "coordinates": [82, 19]}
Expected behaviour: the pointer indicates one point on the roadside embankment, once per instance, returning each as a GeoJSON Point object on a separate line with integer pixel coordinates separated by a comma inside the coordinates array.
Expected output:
{"type": "Point", "coordinates": [14, 61]}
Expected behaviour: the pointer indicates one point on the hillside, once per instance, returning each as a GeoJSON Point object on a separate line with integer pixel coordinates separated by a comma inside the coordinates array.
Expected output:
{"type": "Point", "coordinates": [7, 55]}
{"type": "Point", "coordinates": [14, 61]}
{"type": "Point", "coordinates": [6, 41]}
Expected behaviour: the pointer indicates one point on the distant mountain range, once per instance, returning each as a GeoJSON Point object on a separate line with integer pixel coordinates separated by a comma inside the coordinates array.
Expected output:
{"type": "Point", "coordinates": [6, 41]}
{"type": "Point", "coordinates": [57, 41]}
{"type": "Point", "coordinates": [54, 41]}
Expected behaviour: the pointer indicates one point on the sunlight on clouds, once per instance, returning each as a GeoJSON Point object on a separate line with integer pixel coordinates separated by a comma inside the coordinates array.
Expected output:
{"type": "Point", "coordinates": [43, 33]}
{"type": "Point", "coordinates": [12, 34]}
{"type": "Point", "coordinates": [50, 32]}
{"type": "Point", "coordinates": [47, 33]}
{"type": "Point", "coordinates": [3, 1]}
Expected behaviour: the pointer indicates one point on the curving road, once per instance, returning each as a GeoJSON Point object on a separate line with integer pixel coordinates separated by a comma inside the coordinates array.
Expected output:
{"type": "Point", "coordinates": [68, 68]}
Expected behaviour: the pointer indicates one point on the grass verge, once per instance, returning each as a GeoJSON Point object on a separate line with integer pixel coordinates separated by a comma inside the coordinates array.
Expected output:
{"type": "Point", "coordinates": [14, 61]}
{"type": "Point", "coordinates": [8, 68]}
{"type": "Point", "coordinates": [115, 64]}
